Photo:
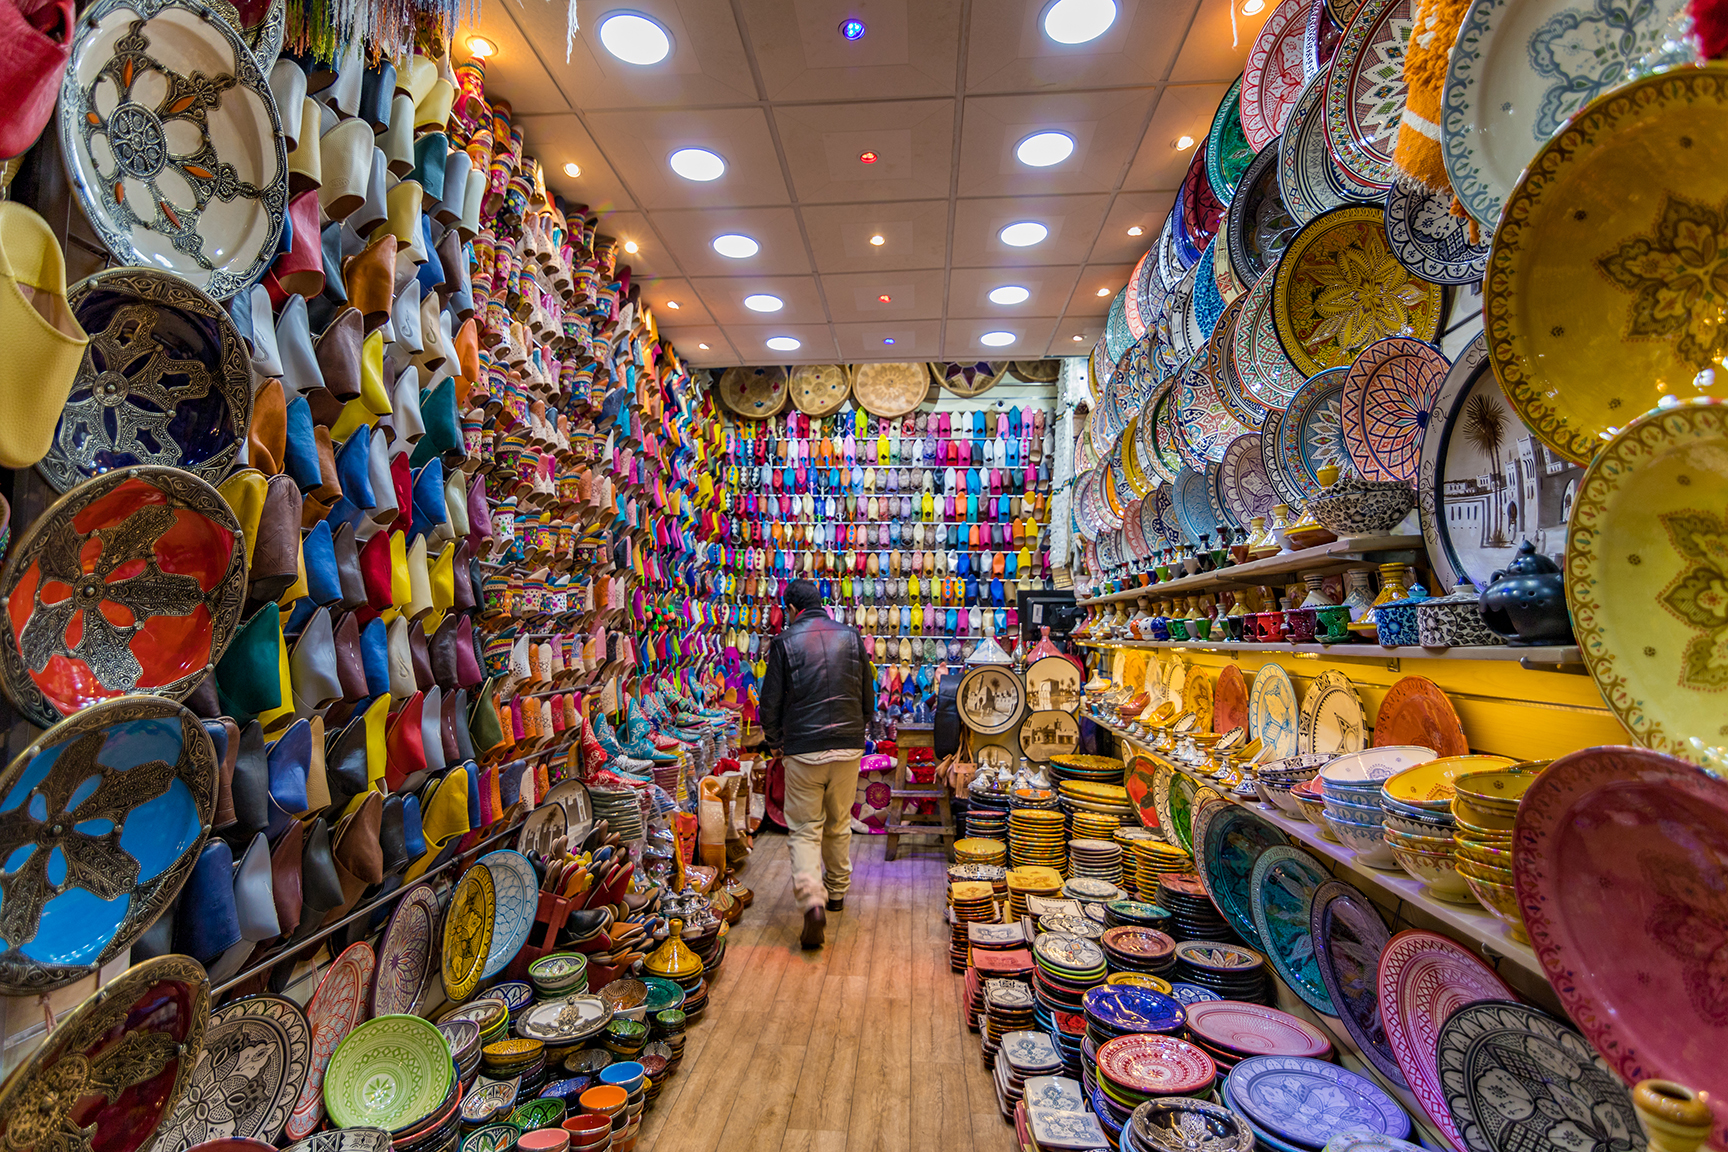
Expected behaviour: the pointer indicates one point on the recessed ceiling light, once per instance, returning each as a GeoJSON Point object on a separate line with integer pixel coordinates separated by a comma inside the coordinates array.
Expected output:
{"type": "Point", "coordinates": [1077, 340]}
{"type": "Point", "coordinates": [635, 39]}
{"type": "Point", "coordinates": [783, 344]}
{"type": "Point", "coordinates": [884, 299]}
{"type": "Point", "coordinates": [736, 247]}
{"type": "Point", "coordinates": [672, 304]}
{"type": "Point", "coordinates": [697, 164]}
{"type": "Point", "coordinates": [878, 240]}
{"type": "Point", "coordinates": [479, 47]}
{"type": "Point", "coordinates": [1009, 294]}
{"type": "Point", "coordinates": [572, 170]}
{"type": "Point", "coordinates": [632, 247]}
{"type": "Point", "coordinates": [996, 339]}
{"type": "Point", "coordinates": [1043, 149]}
{"type": "Point", "coordinates": [887, 339]}
{"type": "Point", "coordinates": [1103, 291]}
{"type": "Point", "coordinates": [762, 302]}
{"type": "Point", "coordinates": [1136, 230]}
{"type": "Point", "coordinates": [1253, 7]}
{"type": "Point", "coordinates": [1183, 143]}
{"type": "Point", "coordinates": [1077, 21]}
{"type": "Point", "coordinates": [852, 29]}
{"type": "Point", "coordinates": [704, 347]}
{"type": "Point", "coordinates": [867, 157]}
{"type": "Point", "coordinates": [1024, 234]}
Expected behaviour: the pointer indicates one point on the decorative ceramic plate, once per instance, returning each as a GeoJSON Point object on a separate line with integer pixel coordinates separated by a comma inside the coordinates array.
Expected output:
{"type": "Point", "coordinates": [1642, 574]}
{"type": "Point", "coordinates": [1338, 289]}
{"type": "Point", "coordinates": [1470, 486]}
{"type": "Point", "coordinates": [1365, 91]}
{"type": "Point", "coordinates": [256, 1056]}
{"type": "Point", "coordinates": [1272, 711]}
{"type": "Point", "coordinates": [1134, 313]}
{"type": "Point", "coordinates": [1428, 240]}
{"type": "Point", "coordinates": [1296, 443]}
{"type": "Point", "coordinates": [1590, 291]}
{"type": "Point", "coordinates": [516, 898]}
{"type": "Point", "coordinates": [1220, 500]}
{"type": "Point", "coordinates": [388, 1073]}
{"type": "Point", "coordinates": [1202, 211]}
{"type": "Point", "coordinates": [1307, 1100]}
{"type": "Point", "coordinates": [76, 896]}
{"type": "Point", "coordinates": [405, 952]}
{"type": "Point", "coordinates": [1415, 711]}
{"type": "Point", "coordinates": [1517, 73]}
{"type": "Point", "coordinates": [1169, 270]}
{"type": "Point", "coordinates": [344, 1140]}
{"type": "Point", "coordinates": [1309, 181]}
{"type": "Point", "coordinates": [1253, 1028]}
{"type": "Point", "coordinates": [1320, 38]}
{"type": "Point", "coordinates": [1151, 528]}
{"type": "Point", "coordinates": [1164, 460]}
{"type": "Point", "coordinates": [1182, 789]}
{"type": "Point", "coordinates": [1156, 1065]}
{"type": "Point", "coordinates": [467, 934]}
{"type": "Point", "coordinates": [754, 393]}
{"type": "Point", "coordinates": [1246, 483]}
{"type": "Point", "coordinates": [1266, 373]}
{"type": "Point", "coordinates": [542, 827]}
{"type": "Point", "coordinates": [1273, 77]}
{"type": "Point", "coordinates": [1206, 425]}
{"type": "Point", "coordinates": [1227, 150]}
{"type": "Point", "coordinates": [1349, 937]}
{"type": "Point", "coordinates": [1517, 1078]}
{"type": "Point", "coordinates": [1361, 1140]}
{"type": "Point", "coordinates": [1617, 854]}
{"type": "Point", "coordinates": [1258, 226]}
{"type": "Point", "coordinates": [172, 142]}
{"type": "Point", "coordinates": [165, 381]}
{"type": "Point", "coordinates": [1194, 508]}
{"type": "Point", "coordinates": [1281, 894]}
{"type": "Point", "coordinates": [1221, 367]}
{"type": "Point", "coordinates": [1424, 978]}
{"type": "Point", "coordinates": [1235, 838]}
{"type": "Point", "coordinates": [820, 389]}
{"type": "Point", "coordinates": [1181, 312]}
{"type": "Point", "coordinates": [1163, 777]}
{"type": "Point", "coordinates": [1332, 719]}
{"type": "Point", "coordinates": [157, 547]}
{"type": "Point", "coordinates": [115, 1066]}
{"type": "Point", "coordinates": [990, 699]}
{"type": "Point", "coordinates": [337, 1005]}
{"type": "Point", "coordinates": [1117, 336]}
{"type": "Point", "coordinates": [566, 1021]}
{"type": "Point", "coordinates": [1388, 404]}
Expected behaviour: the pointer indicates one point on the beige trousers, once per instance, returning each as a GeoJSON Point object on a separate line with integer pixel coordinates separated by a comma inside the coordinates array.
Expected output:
{"type": "Point", "coordinates": [818, 809]}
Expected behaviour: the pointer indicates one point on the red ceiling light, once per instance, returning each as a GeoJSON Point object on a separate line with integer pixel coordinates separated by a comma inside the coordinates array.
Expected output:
{"type": "Point", "coordinates": [866, 157]}
{"type": "Point", "coordinates": [885, 298]}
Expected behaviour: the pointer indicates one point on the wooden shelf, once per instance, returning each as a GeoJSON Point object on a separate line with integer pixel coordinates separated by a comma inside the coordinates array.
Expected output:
{"type": "Point", "coordinates": [1348, 552]}
{"type": "Point", "coordinates": [1550, 657]}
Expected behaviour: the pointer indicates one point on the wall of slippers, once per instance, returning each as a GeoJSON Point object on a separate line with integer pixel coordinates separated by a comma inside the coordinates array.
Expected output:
{"type": "Point", "coordinates": [354, 511]}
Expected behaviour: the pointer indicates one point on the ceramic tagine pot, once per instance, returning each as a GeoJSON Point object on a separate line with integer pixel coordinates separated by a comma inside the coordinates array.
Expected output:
{"type": "Point", "coordinates": [1526, 602]}
{"type": "Point", "coordinates": [673, 959]}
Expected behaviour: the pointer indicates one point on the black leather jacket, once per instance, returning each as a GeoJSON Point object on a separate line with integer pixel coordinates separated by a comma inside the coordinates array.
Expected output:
{"type": "Point", "coordinates": [820, 690]}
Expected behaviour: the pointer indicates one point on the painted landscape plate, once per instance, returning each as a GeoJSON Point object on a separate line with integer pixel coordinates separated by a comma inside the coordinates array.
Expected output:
{"type": "Point", "coordinates": [1365, 91]}
{"type": "Point", "coordinates": [1274, 75]}
{"type": "Point", "coordinates": [1594, 294]}
{"type": "Point", "coordinates": [1273, 711]}
{"type": "Point", "coordinates": [1349, 937]}
{"type": "Point", "coordinates": [1389, 395]}
{"type": "Point", "coordinates": [1281, 895]}
{"type": "Point", "coordinates": [1296, 443]}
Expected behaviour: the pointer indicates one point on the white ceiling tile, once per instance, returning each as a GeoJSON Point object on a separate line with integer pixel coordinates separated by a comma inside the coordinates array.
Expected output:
{"type": "Point", "coordinates": [751, 340]}
{"type": "Point", "coordinates": [1086, 301]}
{"type": "Point", "coordinates": [638, 144]}
{"type": "Point", "coordinates": [660, 290]}
{"type": "Point", "coordinates": [1215, 47]}
{"type": "Point", "coordinates": [868, 340]}
{"type": "Point", "coordinates": [1072, 221]}
{"type": "Point", "coordinates": [906, 50]}
{"type": "Point", "coordinates": [558, 139]}
{"type": "Point", "coordinates": [1032, 336]}
{"type": "Point", "coordinates": [1009, 51]}
{"type": "Point", "coordinates": [724, 297]}
{"type": "Point", "coordinates": [691, 235]}
{"type": "Point", "coordinates": [915, 235]}
{"type": "Point", "coordinates": [1184, 110]}
{"type": "Point", "coordinates": [969, 291]}
{"type": "Point", "coordinates": [913, 142]}
{"type": "Point", "coordinates": [857, 296]}
{"type": "Point", "coordinates": [1105, 127]}
{"type": "Point", "coordinates": [688, 340]}
{"type": "Point", "coordinates": [1062, 342]}
{"type": "Point", "coordinates": [1145, 210]}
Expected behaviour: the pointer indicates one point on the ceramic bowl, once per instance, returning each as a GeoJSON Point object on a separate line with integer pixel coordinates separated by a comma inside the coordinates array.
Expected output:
{"type": "Point", "coordinates": [1281, 799]}
{"type": "Point", "coordinates": [1502, 901]}
{"type": "Point", "coordinates": [1494, 791]}
{"type": "Point", "coordinates": [1429, 785]}
{"type": "Point", "coordinates": [1361, 813]}
{"type": "Point", "coordinates": [1314, 811]}
{"type": "Point", "coordinates": [408, 1050]}
{"type": "Point", "coordinates": [1412, 827]}
{"type": "Point", "coordinates": [1369, 768]}
{"type": "Point", "coordinates": [1436, 872]}
{"type": "Point", "coordinates": [543, 1140]}
{"type": "Point", "coordinates": [1366, 840]}
{"type": "Point", "coordinates": [1435, 845]}
{"type": "Point", "coordinates": [604, 1100]}
{"type": "Point", "coordinates": [1485, 856]}
{"type": "Point", "coordinates": [1467, 815]}
{"type": "Point", "coordinates": [1353, 506]}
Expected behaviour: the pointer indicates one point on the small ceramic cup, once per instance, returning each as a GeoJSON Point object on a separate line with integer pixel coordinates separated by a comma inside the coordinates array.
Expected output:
{"type": "Point", "coordinates": [604, 1100]}
{"type": "Point", "coordinates": [590, 1133]}
{"type": "Point", "coordinates": [1332, 624]}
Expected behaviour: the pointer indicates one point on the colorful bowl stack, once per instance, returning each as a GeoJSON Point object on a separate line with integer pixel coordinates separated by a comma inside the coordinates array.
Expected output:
{"type": "Point", "coordinates": [1483, 809]}
{"type": "Point", "coordinates": [1145, 950]}
{"type": "Point", "coordinates": [1066, 967]}
{"type": "Point", "coordinates": [1131, 1070]}
{"type": "Point", "coordinates": [1099, 860]}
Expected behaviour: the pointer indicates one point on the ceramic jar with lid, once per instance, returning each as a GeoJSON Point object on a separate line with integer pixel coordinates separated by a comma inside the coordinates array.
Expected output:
{"type": "Point", "coordinates": [1454, 620]}
{"type": "Point", "coordinates": [1395, 620]}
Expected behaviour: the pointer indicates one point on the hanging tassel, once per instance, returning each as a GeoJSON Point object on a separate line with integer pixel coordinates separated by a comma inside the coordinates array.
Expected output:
{"type": "Point", "coordinates": [571, 26]}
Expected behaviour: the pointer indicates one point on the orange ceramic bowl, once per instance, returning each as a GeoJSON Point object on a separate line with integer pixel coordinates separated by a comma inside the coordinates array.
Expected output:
{"type": "Point", "coordinates": [604, 1100]}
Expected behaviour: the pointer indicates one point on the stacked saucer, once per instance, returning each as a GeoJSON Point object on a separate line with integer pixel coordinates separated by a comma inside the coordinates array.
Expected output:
{"type": "Point", "coordinates": [1139, 980]}
{"type": "Point", "coordinates": [1089, 891]}
{"type": "Point", "coordinates": [1128, 838]}
{"type": "Point", "coordinates": [1193, 916]}
{"type": "Point", "coordinates": [987, 812]}
{"type": "Point", "coordinates": [1133, 949]}
{"type": "Point", "coordinates": [1153, 860]}
{"type": "Point", "coordinates": [1231, 970]}
{"type": "Point", "coordinates": [1037, 836]}
{"type": "Point", "coordinates": [1095, 860]}
{"type": "Point", "coordinates": [696, 1001]}
{"type": "Point", "coordinates": [1231, 1031]}
{"type": "Point", "coordinates": [1130, 1070]}
{"type": "Point", "coordinates": [1008, 1007]}
{"type": "Point", "coordinates": [1030, 881]}
{"type": "Point", "coordinates": [1097, 809]}
{"type": "Point", "coordinates": [1094, 769]}
{"type": "Point", "coordinates": [621, 810]}
{"type": "Point", "coordinates": [981, 850]}
{"type": "Point", "coordinates": [972, 901]}
{"type": "Point", "coordinates": [1135, 913]}
{"type": "Point", "coordinates": [1071, 924]}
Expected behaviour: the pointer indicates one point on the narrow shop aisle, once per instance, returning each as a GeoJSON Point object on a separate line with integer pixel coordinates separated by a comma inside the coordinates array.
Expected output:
{"type": "Point", "coordinates": [856, 1047]}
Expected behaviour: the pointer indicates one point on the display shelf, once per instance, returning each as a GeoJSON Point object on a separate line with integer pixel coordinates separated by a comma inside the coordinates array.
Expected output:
{"type": "Point", "coordinates": [1347, 552]}
{"type": "Point", "coordinates": [1534, 657]}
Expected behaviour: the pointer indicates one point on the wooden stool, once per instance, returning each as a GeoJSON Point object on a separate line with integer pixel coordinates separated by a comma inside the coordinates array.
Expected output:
{"type": "Point", "coordinates": [899, 824]}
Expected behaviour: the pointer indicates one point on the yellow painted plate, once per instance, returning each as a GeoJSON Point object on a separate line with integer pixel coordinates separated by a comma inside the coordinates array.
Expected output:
{"type": "Point", "coordinates": [1606, 289]}
{"type": "Point", "coordinates": [1430, 784]}
{"type": "Point", "coordinates": [1338, 288]}
{"type": "Point", "coordinates": [1197, 697]}
{"type": "Point", "coordinates": [1647, 576]}
{"type": "Point", "coordinates": [1094, 791]}
{"type": "Point", "coordinates": [467, 933]}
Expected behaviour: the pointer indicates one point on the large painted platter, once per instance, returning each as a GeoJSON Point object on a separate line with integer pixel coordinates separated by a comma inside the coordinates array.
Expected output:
{"type": "Point", "coordinates": [991, 699]}
{"type": "Point", "coordinates": [1338, 288]}
{"type": "Point", "coordinates": [1151, 527]}
{"type": "Point", "coordinates": [1208, 297]}
{"type": "Point", "coordinates": [1388, 404]}
{"type": "Point", "coordinates": [1518, 71]}
{"type": "Point", "coordinates": [1258, 226]}
{"type": "Point", "coordinates": [1202, 211]}
{"type": "Point", "coordinates": [1205, 422]}
{"type": "Point", "coordinates": [1428, 240]}
{"type": "Point", "coordinates": [515, 899]}
{"type": "Point", "coordinates": [1268, 375]}
{"type": "Point", "coordinates": [1133, 536]}
{"type": "Point", "coordinates": [1618, 860]}
{"type": "Point", "coordinates": [1281, 895]}
{"type": "Point", "coordinates": [1247, 488]}
{"type": "Point", "coordinates": [1309, 180]}
{"type": "Point", "coordinates": [1235, 838]}
{"type": "Point", "coordinates": [1168, 456]}
{"type": "Point", "coordinates": [1164, 509]}
{"type": "Point", "coordinates": [1296, 443]}
{"type": "Point", "coordinates": [1320, 36]}
{"type": "Point", "coordinates": [1301, 1098]}
{"type": "Point", "coordinates": [1595, 294]}
{"type": "Point", "coordinates": [1088, 499]}
{"type": "Point", "coordinates": [405, 952]}
{"type": "Point", "coordinates": [1221, 367]}
{"type": "Point", "coordinates": [257, 1052]}
{"type": "Point", "coordinates": [1365, 91]}
{"type": "Point", "coordinates": [1475, 471]}
{"type": "Point", "coordinates": [1117, 337]}
{"type": "Point", "coordinates": [1227, 150]}
{"type": "Point", "coordinates": [1220, 502]}
{"type": "Point", "coordinates": [1169, 268]}
{"type": "Point", "coordinates": [1185, 337]}
{"type": "Point", "coordinates": [1133, 301]}
{"type": "Point", "coordinates": [335, 1008]}
{"type": "Point", "coordinates": [1273, 712]}
{"type": "Point", "coordinates": [1332, 721]}
{"type": "Point", "coordinates": [1194, 508]}
{"type": "Point", "coordinates": [1274, 74]}
{"type": "Point", "coordinates": [467, 934]}
{"type": "Point", "coordinates": [1643, 576]}
{"type": "Point", "coordinates": [1349, 937]}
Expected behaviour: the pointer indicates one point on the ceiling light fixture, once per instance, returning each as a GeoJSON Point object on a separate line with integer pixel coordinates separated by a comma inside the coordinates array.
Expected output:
{"type": "Point", "coordinates": [1009, 294]}
{"type": "Point", "coordinates": [996, 339]}
{"type": "Point", "coordinates": [1253, 7]}
{"type": "Point", "coordinates": [1078, 21]}
{"type": "Point", "coordinates": [878, 240]}
{"type": "Point", "coordinates": [632, 247]}
{"type": "Point", "coordinates": [704, 347]}
{"type": "Point", "coordinates": [1077, 340]}
{"type": "Point", "coordinates": [1023, 234]}
{"type": "Point", "coordinates": [572, 170]}
{"type": "Point", "coordinates": [783, 344]}
{"type": "Point", "coordinates": [635, 39]}
{"type": "Point", "coordinates": [1103, 291]}
{"type": "Point", "coordinates": [762, 302]}
{"type": "Point", "coordinates": [672, 304]}
{"type": "Point", "coordinates": [885, 299]}
{"type": "Point", "coordinates": [697, 164]}
{"type": "Point", "coordinates": [1183, 143]}
{"type": "Point", "coordinates": [736, 247]}
{"type": "Point", "coordinates": [852, 29]}
{"type": "Point", "coordinates": [887, 339]}
{"type": "Point", "coordinates": [867, 157]}
{"type": "Point", "coordinates": [1043, 149]}
{"type": "Point", "coordinates": [1136, 230]}
{"type": "Point", "coordinates": [480, 48]}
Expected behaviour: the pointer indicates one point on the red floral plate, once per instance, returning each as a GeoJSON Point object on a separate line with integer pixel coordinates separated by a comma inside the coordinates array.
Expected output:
{"type": "Point", "coordinates": [1255, 1030]}
{"type": "Point", "coordinates": [1275, 75]}
{"type": "Point", "coordinates": [338, 1005]}
{"type": "Point", "coordinates": [1618, 856]}
{"type": "Point", "coordinates": [1156, 1065]}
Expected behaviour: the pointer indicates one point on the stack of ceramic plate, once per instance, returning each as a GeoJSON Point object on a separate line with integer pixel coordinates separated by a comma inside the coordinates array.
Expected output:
{"type": "Point", "coordinates": [971, 901]}
{"type": "Point", "coordinates": [1154, 859]}
{"type": "Point", "coordinates": [1134, 949]}
{"type": "Point", "coordinates": [1192, 994]}
{"type": "Point", "coordinates": [1193, 916]}
{"type": "Point", "coordinates": [1030, 797]}
{"type": "Point", "coordinates": [1114, 1010]}
{"type": "Point", "coordinates": [655, 1068]}
{"type": "Point", "coordinates": [490, 1013]}
{"type": "Point", "coordinates": [1350, 788]}
{"type": "Point", "coordinates": [668, 1029]}
{"type": "Point", "coordinates": [1483, 810]}
{"type": "Point", "coordinates": [1130, 1070]}
{"type": "Point", "coordinates": [695, 1001]}
{"type": "Point", "coordinates": [994, 875]}
{"type": "Point", "coordinates": [559, 974]}
{"type": "Point", "coordinates": [1067, 965]}
{"type": "Point", "coordinates": [1139, 980]}
{"type": "Point", "coordinates": [1096, 769]}
{"type": "Point", "coordinates": [1008, 1007]}
{"type": "Point", "coordinates": [1026, 1056]}
{"type": "Point", "coordinates": [1136, 913]}
{"type": "Point", "coordinates": [1030, 881]}
{"type": "Point", "coordinates": [983, 938]}
{"type": "Point", "coordinates": [1037, 836]}
{"type": "Point", "coordinates": [986, 814]}
{"type": "Point", "coordinates": [1095, 859]}
{"type": "Point", "coordinates": [1231, 1031]}
{"type": "Point", "coordinates": [981, 850]}
{"type": "Point", "coordinates": [1091, 826]}
{"type": "Point", "coordinates": [1232, 971]}
{"type": "Point", "coordinates": [1275, 1094]}
{"type": "Point", "coordinates": [511, 1059]}
{"type": "Point", "coordinates": [463, 1036]}
{"type": "Point", "coordinates": [620, 809]}
{"type": "Point", "coordinates": [1089, 891]}
{"type": "Point", "coordinates": [1128, 837]}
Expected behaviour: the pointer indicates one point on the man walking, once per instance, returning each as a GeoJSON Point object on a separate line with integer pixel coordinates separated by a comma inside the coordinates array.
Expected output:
{"type": "Point", "coordinates": [816, 700]}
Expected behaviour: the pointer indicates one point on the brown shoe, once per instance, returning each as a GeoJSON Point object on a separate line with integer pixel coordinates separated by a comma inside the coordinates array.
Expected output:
{"type": "Point", "coordinates": [836, 903]}
{"type": "Point", "coordinates": [815, 927]}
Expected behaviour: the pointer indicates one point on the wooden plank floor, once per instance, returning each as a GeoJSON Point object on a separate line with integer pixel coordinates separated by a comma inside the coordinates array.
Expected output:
{"type": "Point", "coordinates": [855, 1047]}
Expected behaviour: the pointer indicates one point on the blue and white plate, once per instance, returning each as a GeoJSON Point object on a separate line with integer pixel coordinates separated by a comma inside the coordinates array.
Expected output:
{"type": "Point", "coordinates": [1187, 994]}
{"type": "Point", "coordinates": [1309, 1101]}
{"type": "Point", "coordinates": [1058, 1092]}
{"type": "Point", "coordinates": [516, 891]}
{"type": "Point", "coordinates": [1430, 241]}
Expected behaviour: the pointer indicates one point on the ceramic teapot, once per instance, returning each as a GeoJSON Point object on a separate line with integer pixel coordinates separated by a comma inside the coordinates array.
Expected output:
{"type": "Point", "coordinates": [1526, 601]}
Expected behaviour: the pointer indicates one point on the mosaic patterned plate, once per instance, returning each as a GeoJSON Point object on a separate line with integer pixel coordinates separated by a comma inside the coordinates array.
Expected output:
{"type": "Point", "coordinates": [1300, 1098]}
{"type": "Point", "coordinates": [1267, 374]}
{"type": "Point", "coordinates": [1164, 434]}
{"type": "Point", "coordinates": [1206, 425]}
{"type": "Point", "coordinates": [1258, 226]}
{"type": "Point", "coordinates": [1273, 711]}
{"type": "Point", "coordinates": [1194, 508]}
{"type": "Point", "coordinates": [1308, 178]}
{"type": "Point", "coordinates": [1296, 443]}
{"type": "Point", "coordinates": [1132, 300]}
{"type": "Point", "coordinates": [75, 898]}
{"type": "Point", "coordinates": [1388, 404]}
{"type": "Point", "coordinates": [1235, 838]}
{"type": "Point", "coordinates": [1227, 150]}
{"type": "Point", "coordinates": [1247, 487]}
{"type": "Point", "coordinates": [1428, 240]}
{"type": "Point", "coordinates": [335, 1008]}
{"type": "Point", "coordinates": [1273, 75]}
{"type": "Point", "coordinates": [467, 933]}
{"type": "Point", "coordinates": [1349, 937]}
{"type": "Point", "coordinates": [1156, 1065]}
{"type": "Point", "coordinates": [1182, 330]}
{"type": "Point", "coordinates": [257, 1053]}
{"type": "Point", "coordinates": [1320, 38]}
{"type": "Point", "coordinates": [389, 1073]}
{"type": "Point", "coordinates": [1365, 91]}
{"type": "Point", "coordinates": [1202, 211]}
{"type": "Point", "coordinates": [1339, 288]}
{"type": "Point", "coordinates": [1221, 367]}
{"type": "Point", "coordinates": [1281, 894]}
{"type": "Point", "coordinates": [1332, 720]}
{"type": "Point", "coordinates": [516, 898]}
{"type": "Point", "coordinates": [405, 952]}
